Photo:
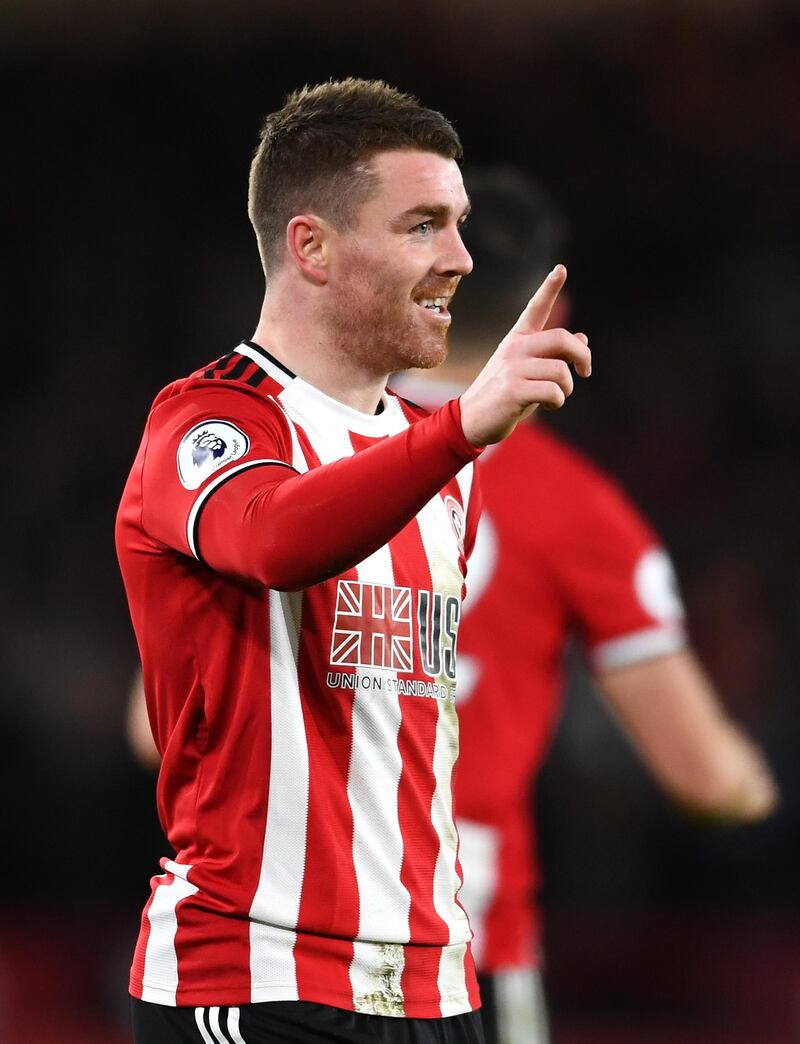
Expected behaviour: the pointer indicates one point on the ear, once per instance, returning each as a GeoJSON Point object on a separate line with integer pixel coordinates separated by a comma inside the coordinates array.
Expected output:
{"type": "Point", "coordinates": [308, 242]}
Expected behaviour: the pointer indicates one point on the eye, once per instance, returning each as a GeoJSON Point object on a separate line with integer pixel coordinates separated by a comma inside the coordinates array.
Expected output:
{"type": "Point", "coordinates": [424, 228]}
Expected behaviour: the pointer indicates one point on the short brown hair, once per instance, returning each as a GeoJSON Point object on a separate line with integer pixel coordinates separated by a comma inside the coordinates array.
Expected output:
{"type": "Point", "coordinates": [313, 154]}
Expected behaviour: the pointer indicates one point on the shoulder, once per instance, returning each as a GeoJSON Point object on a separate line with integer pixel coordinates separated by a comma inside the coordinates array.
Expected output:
{"type": "Point", "coordinates": [569, 496]}
{"type": "Point", "coordinates": [217, 389]}
{"type": "Point", "coordinates": [207, 422]}
{"type": "Point", "coordinates": [535, 441]}
{"type": "Point", "coordinates": [567, 470]}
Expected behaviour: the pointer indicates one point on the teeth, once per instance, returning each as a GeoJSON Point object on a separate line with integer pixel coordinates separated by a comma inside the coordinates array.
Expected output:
{"type": "Point", "coordinates": [436, 303]}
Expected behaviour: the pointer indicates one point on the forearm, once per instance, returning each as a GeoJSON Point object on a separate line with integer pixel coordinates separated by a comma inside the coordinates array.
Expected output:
{"type": "Point", "coordinates": [290, 531]}
{"type": "Point", "coordinates": [695, 751]}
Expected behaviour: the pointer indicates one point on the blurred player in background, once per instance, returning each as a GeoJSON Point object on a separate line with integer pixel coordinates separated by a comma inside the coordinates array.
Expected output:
{"type": "Point", "coordinates": [560, 552]}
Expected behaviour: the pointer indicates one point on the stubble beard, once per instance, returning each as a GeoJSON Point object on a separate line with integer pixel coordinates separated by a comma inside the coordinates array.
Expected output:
{"type": "Point", "coordinates": [377, 327]}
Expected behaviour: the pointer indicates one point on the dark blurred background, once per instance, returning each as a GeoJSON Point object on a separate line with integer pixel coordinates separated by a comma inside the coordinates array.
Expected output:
{"type": "Point", "coordinates": [669, 133]}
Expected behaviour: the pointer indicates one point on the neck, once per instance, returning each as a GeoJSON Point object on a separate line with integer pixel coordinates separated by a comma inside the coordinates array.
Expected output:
{"type": "Point", "coordinates": [287, 329]}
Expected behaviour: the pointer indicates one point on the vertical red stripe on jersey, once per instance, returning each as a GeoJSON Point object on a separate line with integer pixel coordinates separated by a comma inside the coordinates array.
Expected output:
{"type": "Point", "coordinates": [227, 841]}
{"type": "Point", "coordinates": [227, 950]}
{"type": "Point", "coordinates": [420, 840]}
{"type": "Point", "coordinates": [420, 979]}
{"type": "Point", "coordinates": [330, 889]}
{"type": "Point", "coordinates": [323, 970]}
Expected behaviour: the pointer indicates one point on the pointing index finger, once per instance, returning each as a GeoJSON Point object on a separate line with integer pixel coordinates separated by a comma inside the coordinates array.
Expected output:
{"type": "Point", "coordinates": [538, 309]}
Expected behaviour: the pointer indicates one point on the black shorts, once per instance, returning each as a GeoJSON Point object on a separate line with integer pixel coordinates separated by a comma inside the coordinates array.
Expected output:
{"type": "Point", "coordinates": [294, 1022]}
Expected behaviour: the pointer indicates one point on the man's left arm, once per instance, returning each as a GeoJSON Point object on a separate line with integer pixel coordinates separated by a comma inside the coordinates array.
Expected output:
{"type": "Point", "coordinates": [678, 726]}
{"type": "Point", "coordinates": [621, 591]}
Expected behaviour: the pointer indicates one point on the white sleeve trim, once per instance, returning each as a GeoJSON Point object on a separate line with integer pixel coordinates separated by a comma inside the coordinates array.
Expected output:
{"type": "Point", "coordinates": [638, 647]}
{"type": "Point", "coordinates": [197, 507]}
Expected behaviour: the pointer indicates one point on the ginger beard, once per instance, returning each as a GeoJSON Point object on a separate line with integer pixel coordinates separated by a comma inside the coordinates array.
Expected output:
{"type": "Point", "coordinates": [373, 316]}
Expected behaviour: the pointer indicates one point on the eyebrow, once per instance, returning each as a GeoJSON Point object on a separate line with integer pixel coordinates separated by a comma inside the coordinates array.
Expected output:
{"type": "Point", "coordinates": [437, 211]}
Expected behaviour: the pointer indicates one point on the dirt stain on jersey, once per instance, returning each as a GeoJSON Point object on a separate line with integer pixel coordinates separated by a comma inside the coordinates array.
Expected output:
{"type": "Point", "coordinates": [387, 996]}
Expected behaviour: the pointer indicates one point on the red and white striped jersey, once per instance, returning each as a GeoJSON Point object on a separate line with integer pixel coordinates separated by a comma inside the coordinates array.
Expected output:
{"type": "Point", "coordinates": [560, 552]}
{"type": "Point", "coordinates": [294, 570]}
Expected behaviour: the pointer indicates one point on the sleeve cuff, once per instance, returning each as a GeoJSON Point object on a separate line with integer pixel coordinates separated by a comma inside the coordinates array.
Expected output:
{"type": "Point", "coordinates": [638, 647]}
{"type": "Point", "coordinates": [458, 440]}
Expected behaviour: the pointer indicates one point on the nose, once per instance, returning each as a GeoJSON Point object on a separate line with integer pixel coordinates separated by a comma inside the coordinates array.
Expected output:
{"type": "Point", "coordinates": [454, 260]}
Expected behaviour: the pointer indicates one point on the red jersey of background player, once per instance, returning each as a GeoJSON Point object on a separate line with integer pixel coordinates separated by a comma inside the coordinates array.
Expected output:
{"type": "Point", "coordinates": [308, 738]}
{"type": "Point", "coordinates": [560, 551]}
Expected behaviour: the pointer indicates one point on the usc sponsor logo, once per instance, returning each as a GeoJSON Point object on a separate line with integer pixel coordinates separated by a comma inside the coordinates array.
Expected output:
{"type": "Point", "coordinates": [375, 625]}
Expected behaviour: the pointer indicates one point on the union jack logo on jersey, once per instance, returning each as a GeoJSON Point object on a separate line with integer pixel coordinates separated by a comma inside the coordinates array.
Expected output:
{"type": "Point", "coordinates": [372, 627]}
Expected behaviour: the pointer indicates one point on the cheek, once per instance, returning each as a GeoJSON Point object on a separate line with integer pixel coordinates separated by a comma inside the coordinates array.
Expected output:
{"type": "Point", "coordinates": [388, 287]}
{"type": "Point", "coordinates": [389, 265]}
{"type": "Point", "coordinates": [380, 280]}
{"type": "Point", "coordinates": [367, 272]}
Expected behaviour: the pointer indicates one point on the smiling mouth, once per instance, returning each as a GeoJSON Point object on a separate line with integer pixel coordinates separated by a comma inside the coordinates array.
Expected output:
{"type": "Point", "coordinates": [435, 305]}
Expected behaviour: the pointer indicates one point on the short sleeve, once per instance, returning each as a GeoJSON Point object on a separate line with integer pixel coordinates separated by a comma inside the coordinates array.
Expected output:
{"type": "Point", "coordinates": [615, 576]}
{"type": "Point", "coordinates": [197, 441]}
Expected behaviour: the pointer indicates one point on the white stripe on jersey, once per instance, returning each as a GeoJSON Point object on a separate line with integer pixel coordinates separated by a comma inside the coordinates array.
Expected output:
{"type": "Point", "coordinates": [277, 898]}
{"type": "Point", "coordinates": [160, 956]}
{"type": "Point", "coordinates": [330, 442]}
{"type": "Point", "coordinates": [437, 534]}
{"type": "Point", "coordinates": [375, 769]}
{"type": "Point", "coordinates": [452, 981]}
{"type": "Point", "coordinates": [272, 967]}
{"type": "Point", "coordinates": [323, 418]}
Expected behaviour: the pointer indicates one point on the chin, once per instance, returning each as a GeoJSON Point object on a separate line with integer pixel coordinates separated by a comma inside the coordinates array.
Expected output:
{"type": "Point", "coordinates": [431, 360]}
{"type": "Point", "coordinates": [424, 355]}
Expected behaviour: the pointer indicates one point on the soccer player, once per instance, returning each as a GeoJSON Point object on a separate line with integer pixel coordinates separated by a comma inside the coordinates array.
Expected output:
{"type": "Point", "coordinates": [293, 541]}
{"type": "Point", "coordinates": [560, 551]}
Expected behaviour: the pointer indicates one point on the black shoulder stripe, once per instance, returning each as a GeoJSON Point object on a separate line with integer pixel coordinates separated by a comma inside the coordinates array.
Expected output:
{"type": "Point", "coordinates": [219, 365]}
{"type": "Point", "coordinates": [236, 371]}
{"type": "Point", "coordinates": [256, 377]}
